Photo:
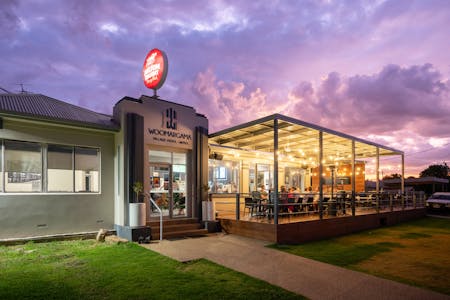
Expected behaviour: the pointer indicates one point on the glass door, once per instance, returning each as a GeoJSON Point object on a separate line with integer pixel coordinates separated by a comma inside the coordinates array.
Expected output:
{"type": "Point", "coordinates": [160, 188]}
{"type": "Point", "coordinates": [169, 183]}
{"type": "Point", "coordinates": [168, 189]}
{"type": "Point", "coordinates": [179, 190]}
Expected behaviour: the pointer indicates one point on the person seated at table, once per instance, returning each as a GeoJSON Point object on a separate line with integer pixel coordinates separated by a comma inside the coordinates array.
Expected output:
{"type": "Point", "coordinates": [291, 199]}
{"type": "Point", "coordinates": [263, 192]}
{"type": "Point", "coordinates": [283, 198]}
{"type": "Point", "coordinates": [298, 198]}
{"type": "Point", "coordinates": [316, 200]}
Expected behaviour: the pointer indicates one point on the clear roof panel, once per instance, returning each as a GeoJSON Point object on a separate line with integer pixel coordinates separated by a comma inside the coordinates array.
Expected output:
{"type": "Point", "coordinates": [295, 139]}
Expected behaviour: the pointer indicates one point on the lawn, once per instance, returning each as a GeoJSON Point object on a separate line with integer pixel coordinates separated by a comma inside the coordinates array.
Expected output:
{"type": "Point", "coordinates": [416, 253]}
{"type": "Point", "coordinates": [90, 270]}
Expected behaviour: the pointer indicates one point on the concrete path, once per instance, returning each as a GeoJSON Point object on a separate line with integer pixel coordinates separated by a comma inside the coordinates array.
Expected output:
{"type": "Point", "coordinates": [303, 276]}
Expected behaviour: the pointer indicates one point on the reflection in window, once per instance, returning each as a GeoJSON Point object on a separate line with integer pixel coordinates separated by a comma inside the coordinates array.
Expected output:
{"type": "Point", "coordinates": [264, 176]}
{"type": "Point", "coordinates": [87, 166]}
{"type": "Point", "coordinates": [223, 176]}
{"type": "Point", "coordinates": [160, 156]}
{"type": "Point", "coordinates": [59, 168]}
{"type": "Point", "coordinates": [23, 167]}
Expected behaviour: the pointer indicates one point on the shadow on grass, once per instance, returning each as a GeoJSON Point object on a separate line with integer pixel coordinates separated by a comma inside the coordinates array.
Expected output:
{"type": "Point", "coordinates": [415, 235]}
{"type": "Point", "coordinates": [331, 252]}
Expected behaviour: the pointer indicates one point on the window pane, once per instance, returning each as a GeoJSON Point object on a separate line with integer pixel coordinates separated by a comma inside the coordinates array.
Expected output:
{"type": "Point", "coordinates": [59, 169]}
{"type": "Point", "coordinates": [223, 176]}
{"type": "Point", "coordinates": [179, 158]}
{"type": "Point", "coordinates": [23, 167]}
{"type": "Point", "coordinates": [160, 156]}
{"type": "Point", "coordinates": [87, 167]}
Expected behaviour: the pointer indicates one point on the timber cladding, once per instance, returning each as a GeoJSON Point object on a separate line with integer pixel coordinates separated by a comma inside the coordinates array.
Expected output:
{"type": "Point", "coordinates": [260, 231]}
{"type": "Point", "coordinates": [306, 231]}
{"type": "Point", "coordinates": [300, 232]}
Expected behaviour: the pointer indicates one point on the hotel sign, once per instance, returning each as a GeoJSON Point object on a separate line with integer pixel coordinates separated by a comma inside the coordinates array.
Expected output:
{"type": "Point", "coordinates": [154, 71]}
{"type": "Point", "coordinates": [170, 133]}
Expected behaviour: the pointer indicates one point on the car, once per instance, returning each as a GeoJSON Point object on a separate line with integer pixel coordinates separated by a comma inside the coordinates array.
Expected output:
{"type": "Point", "coordinates": [439, 201]}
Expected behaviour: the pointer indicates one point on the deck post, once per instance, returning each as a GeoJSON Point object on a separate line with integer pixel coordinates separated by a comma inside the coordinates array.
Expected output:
{"type": "Point", "coordinates": [320, 175]}
{"type": "Point", "coordinates": [238, 207]}
{"type": "Point", "coordinates": [275, 171]}
{"type": "Point", "coordinates": [377, 186]}
{"type": "Point", "coordinates": [353, 179]}
{"type": "Point", "coordinates": [402, 187]}
{"type": "Point", "coordinates": [390, 202]}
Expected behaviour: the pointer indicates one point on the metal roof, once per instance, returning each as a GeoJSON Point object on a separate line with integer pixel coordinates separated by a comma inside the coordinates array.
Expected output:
{"type": "Point", "coordinates": [296, 138]}
{"type": "Point", "coordinates": [43, 108]}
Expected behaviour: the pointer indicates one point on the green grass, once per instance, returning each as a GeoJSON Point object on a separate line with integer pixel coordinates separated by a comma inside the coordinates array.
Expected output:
{"type": "Point", "coordinates": [336, 253]}
{"type": "Point", "coordinates": [416, 253]}
{"type": "Point", "coordinates": [90, 270]}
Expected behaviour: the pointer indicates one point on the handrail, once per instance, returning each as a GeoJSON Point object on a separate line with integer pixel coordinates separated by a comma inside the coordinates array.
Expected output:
{"type": "Point", "coordinates": [160, 218]}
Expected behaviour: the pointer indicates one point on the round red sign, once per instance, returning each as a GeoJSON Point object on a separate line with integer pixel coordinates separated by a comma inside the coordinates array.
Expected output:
{"type": "Point", "coordinates": [155, 68]}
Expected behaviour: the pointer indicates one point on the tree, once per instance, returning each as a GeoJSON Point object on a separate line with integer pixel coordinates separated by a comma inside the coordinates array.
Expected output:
{"type": "Point", "coordinates": [392, 176]}
{"type": "Point", "coordinates": [440, 171]}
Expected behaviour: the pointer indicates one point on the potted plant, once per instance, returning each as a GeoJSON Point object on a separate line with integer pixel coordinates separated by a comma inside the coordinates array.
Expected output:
{"type": "Point", "coordinates": [138, 189]}
{"type": "Point", "coordinates": [137, 207]}
{"type": "Point", "coordinates": [207, 205]}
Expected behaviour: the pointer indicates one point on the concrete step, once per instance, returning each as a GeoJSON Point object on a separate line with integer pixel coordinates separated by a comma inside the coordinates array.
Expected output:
{"type": "Point", "coordinates": [167, 222]}
{"type": "Point", "coordinates": [176, 227]}
{"type": "Point", "coordinates": [180, 234]}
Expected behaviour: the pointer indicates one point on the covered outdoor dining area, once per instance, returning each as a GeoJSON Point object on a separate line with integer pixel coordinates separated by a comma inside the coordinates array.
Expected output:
{"type": "Point", "coordinates": [279, 170]}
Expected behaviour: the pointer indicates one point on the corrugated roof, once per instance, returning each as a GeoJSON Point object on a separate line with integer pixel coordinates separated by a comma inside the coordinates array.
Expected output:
{"type": "Point", "coordinates": [41, 107]}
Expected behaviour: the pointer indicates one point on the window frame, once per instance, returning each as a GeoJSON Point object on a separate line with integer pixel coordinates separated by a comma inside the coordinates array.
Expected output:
{"type": "Point", "coordinates": [44, 169]}
{"type": "Point", "coordinates": [41, 147]}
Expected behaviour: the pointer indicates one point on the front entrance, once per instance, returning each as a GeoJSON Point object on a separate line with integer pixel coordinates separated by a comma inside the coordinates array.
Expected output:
{"type": "Point", "coordinates": [168, 184]}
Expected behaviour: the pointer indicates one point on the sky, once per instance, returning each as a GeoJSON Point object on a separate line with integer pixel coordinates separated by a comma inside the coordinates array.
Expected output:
{"type": "Point", "coordinates": [378, 70]}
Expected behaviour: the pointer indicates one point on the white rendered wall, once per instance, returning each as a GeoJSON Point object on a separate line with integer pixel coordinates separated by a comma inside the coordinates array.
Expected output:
{"type": "Point", "coordinates": [37, 214]}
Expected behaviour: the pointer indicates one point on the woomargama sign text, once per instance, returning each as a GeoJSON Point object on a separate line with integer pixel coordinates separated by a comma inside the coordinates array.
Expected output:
{"type": "Point", "coordinates": [170, 133]}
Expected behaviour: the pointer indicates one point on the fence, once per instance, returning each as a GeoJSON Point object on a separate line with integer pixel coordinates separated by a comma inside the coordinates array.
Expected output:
{"type": "Point", "coordinates": [293, 207]}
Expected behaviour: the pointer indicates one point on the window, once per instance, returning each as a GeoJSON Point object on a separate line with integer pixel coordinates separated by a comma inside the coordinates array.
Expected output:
{"type": "Point", "coordinates": [87, 167]}
{"type": "Point", "coordinates": [23, 166]}
{"type": "Point", "coordinates": [264, 176]}
{"type": "Point", "coordinates": [223, 176]}
{"type": "Point", "coordinates": [67, 169]}
{"type": "Point", "coordinates": [59, 168]}
{"type": "Point", "coordinates": [160, 156]}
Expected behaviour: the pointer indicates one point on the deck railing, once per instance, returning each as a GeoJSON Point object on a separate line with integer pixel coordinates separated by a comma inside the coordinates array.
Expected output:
{"type": "Point", "coordinates": [246, 207]}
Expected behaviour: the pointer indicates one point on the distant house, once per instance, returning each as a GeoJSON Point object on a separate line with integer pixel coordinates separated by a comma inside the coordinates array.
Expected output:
{"type": "Point", "coordinates": [429, 185]}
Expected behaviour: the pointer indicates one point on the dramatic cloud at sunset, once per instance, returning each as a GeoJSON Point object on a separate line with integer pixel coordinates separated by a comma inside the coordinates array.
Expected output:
{"type": "Point", "coordinates": [379, 70]}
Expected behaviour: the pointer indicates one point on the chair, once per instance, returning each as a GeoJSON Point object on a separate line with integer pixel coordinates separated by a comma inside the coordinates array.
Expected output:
{"type": "Point", "coordinates": [250, 205]}
{"type": "Point", "coordinates": [256, 198]}
{"type": "Point", "coordinates": [283, 199]}
{"type": "Point", "coordinates": [299, 201]}
{"type": "Point", "coordinates": [340, 201]}
{"type": "Point", "coordinates": [325, 205]}
{"type": "Point", "coordinates": [310, 203]}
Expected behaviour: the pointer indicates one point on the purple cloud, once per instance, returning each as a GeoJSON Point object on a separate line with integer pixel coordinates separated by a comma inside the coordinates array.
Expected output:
{"type": "Point", "coordinates": [239, 60]}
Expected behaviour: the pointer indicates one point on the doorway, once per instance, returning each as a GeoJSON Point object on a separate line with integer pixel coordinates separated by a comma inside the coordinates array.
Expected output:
{"type": "Point", "coordinates": [168, 184]}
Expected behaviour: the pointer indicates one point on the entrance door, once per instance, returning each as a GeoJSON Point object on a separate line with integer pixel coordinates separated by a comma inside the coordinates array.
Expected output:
{"type": "Point", "coordinates": [168, 189]}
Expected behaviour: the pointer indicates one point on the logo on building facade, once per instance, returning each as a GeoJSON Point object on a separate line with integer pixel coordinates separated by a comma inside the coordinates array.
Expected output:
{"type": "Point", "coordinates": [170, 132]}
{"type": "Point", "coordinates": [171, 119]}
